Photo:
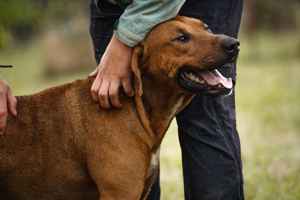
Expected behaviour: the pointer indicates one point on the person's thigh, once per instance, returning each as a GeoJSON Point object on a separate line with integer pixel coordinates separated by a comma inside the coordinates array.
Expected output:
{"type": "Point", "coordinates": [101, 28]}
{"type": "Point", "coordinates": [210, 150]}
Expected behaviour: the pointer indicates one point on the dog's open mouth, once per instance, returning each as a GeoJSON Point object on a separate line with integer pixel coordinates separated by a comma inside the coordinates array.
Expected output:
{"type": "Point", "coordinates": [210, 83]}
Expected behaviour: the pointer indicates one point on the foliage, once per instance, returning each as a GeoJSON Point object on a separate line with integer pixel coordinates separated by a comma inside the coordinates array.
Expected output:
{"type": "Point", "coordinates": [18, 18]}
{"type": "Point", "coordinates": [273, 15]}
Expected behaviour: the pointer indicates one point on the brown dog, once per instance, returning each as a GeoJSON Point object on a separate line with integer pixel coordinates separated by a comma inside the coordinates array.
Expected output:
{"type": "Point", "coordinates": [63, 145]}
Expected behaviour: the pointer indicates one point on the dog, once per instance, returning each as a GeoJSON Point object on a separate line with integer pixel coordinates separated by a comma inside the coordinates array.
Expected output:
{"type": "Point", "coordinates": [63, 145]}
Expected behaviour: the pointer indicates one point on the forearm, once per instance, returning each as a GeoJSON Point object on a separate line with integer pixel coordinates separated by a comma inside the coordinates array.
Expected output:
{"type": "Point", "coordinates": [140, 17]}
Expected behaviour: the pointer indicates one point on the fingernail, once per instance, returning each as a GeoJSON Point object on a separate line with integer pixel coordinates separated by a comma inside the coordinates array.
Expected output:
{"type": "Point", "coordinates": [93, 73]}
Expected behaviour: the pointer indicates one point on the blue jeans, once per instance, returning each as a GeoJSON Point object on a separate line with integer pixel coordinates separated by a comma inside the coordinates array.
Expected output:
{"type": "Point", "coordinates": [210, 145]}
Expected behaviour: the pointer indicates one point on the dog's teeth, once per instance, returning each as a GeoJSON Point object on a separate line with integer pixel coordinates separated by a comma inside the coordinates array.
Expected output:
{"type": "Point", "coordinates": [219, 85]}
{"type": "Point", "coordinates": [192, 77]}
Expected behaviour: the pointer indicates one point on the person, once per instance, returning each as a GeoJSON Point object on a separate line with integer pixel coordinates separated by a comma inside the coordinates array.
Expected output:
{"type": "Point", "coordinates": [210, 145]}
{"type": "Point", "coordinates": [209, 141]}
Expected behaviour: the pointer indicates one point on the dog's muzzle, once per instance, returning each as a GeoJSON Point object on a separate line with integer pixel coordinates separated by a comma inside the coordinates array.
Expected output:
{"type": "Point", "coordinates": [232, 47]}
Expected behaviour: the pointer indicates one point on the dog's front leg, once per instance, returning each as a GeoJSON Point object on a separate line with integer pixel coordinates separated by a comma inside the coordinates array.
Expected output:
{"type": "Point", "coordinates": [120, 174]}
{"type": "Point", "coordinates": [148, 184]}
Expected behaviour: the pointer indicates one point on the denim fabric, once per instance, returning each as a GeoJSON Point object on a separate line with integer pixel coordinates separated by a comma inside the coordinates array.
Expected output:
{"type": "Point", "coordinates": [208, 137]}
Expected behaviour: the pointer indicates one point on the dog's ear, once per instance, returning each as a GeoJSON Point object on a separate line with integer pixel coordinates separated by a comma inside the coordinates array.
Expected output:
{"type": "Point", "coordinates": [137, 79]}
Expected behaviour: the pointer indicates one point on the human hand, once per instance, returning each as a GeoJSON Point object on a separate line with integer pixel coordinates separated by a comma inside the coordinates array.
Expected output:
{"type": "Point", "coordinates": [113, 71]}
{"type": "Point", "coordinates": [7, 102]}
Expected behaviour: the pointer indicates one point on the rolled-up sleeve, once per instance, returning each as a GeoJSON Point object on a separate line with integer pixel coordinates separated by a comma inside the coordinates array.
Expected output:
{"type": "Point", "coordinates": [143, 15]}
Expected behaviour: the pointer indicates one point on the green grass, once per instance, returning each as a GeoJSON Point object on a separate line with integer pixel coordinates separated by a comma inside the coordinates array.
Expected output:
{"type": "Point", "coordinates": [268, 113]}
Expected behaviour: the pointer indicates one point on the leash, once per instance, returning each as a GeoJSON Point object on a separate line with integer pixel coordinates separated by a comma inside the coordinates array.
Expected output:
{"type": "Point", "coordinates": [5, 66]}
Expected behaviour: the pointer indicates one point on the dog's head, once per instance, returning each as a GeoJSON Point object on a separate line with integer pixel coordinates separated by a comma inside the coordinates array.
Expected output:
{"type": "Point", "coordinates": [185, 50]}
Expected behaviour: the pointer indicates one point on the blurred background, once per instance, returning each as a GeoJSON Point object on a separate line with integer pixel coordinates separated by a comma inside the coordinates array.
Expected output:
{"type": "Point", "coordinates": [48, 43]}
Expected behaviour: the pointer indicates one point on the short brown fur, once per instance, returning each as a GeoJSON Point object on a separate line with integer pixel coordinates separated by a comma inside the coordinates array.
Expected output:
{"type": "Point", "coordinates": [63, 145]}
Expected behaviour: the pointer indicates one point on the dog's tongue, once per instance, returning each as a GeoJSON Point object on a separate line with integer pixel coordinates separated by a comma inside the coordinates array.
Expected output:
{"type": "Point", "coordinates": [214, 77]}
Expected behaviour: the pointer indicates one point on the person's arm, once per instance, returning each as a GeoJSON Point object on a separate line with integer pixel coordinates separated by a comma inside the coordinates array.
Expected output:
{"type": "Point", "coordinates": [114, 69]}
{"type": "Point", "coordinates": [140, 17]}
{"type": "Point", "coordinates": [7, 102]}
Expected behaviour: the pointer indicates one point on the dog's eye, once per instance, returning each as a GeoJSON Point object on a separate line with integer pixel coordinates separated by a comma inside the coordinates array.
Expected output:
{"type": "Point", "coordinates": [183, 38]}
{"type": "Point", "coordinates": [207, 28]}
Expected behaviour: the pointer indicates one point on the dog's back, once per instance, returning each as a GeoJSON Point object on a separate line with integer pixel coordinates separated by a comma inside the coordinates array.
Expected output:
{"type": "Point", "coordinates": [39, 148]}
{"type": "Point", "coordinates": [45, 147]}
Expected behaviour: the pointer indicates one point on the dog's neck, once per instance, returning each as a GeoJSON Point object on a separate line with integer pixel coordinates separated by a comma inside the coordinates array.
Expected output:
{"type": "Point", "coordinates": [157, 108]}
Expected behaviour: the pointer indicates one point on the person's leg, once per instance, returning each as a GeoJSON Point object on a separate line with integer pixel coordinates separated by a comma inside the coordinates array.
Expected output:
{"type": "Point", "coordinates": [101, 30]}
{"type": "Point", "coordinates": [154, 193]}
{"type": "Point", "coordinates": [209, 140]}
{"type": "Point", "coordinates": [210, 150]}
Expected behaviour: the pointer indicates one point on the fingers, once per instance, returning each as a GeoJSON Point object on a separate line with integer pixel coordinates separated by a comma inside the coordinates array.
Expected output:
{"type": "Point", "coordinates": [107, 92]}
{"type": "Point", "coordinates": [3, 112]}
{"type": "Point", "coordinates": [100, 91]}
{"type": "Point", "coordinates": [103, 95]}
{"type": "Point", "coordinates": [12, 103]}
{"type": "Point", "coordinates": [96, 87]}
{"type": "Point", "coordinates": [114, 93]}
{"type": "Point", "coordinates": [95, 73]}
{"type": "Point", "coordinates": [7, 100]}
{"type": "Point", "coordinates": [128, 87]}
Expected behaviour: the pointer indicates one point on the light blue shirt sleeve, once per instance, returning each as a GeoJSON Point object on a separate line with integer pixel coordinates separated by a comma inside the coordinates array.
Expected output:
{"type": "Point", "coordinates": [140, 17]}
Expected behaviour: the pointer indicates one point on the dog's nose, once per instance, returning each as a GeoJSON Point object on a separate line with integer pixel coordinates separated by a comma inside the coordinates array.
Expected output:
{"type": "Point", "coordinates": [231, 45]}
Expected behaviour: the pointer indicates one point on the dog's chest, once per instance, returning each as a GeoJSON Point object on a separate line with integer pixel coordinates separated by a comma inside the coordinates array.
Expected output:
{"type": "Point", "coordinates": [154, 162]}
